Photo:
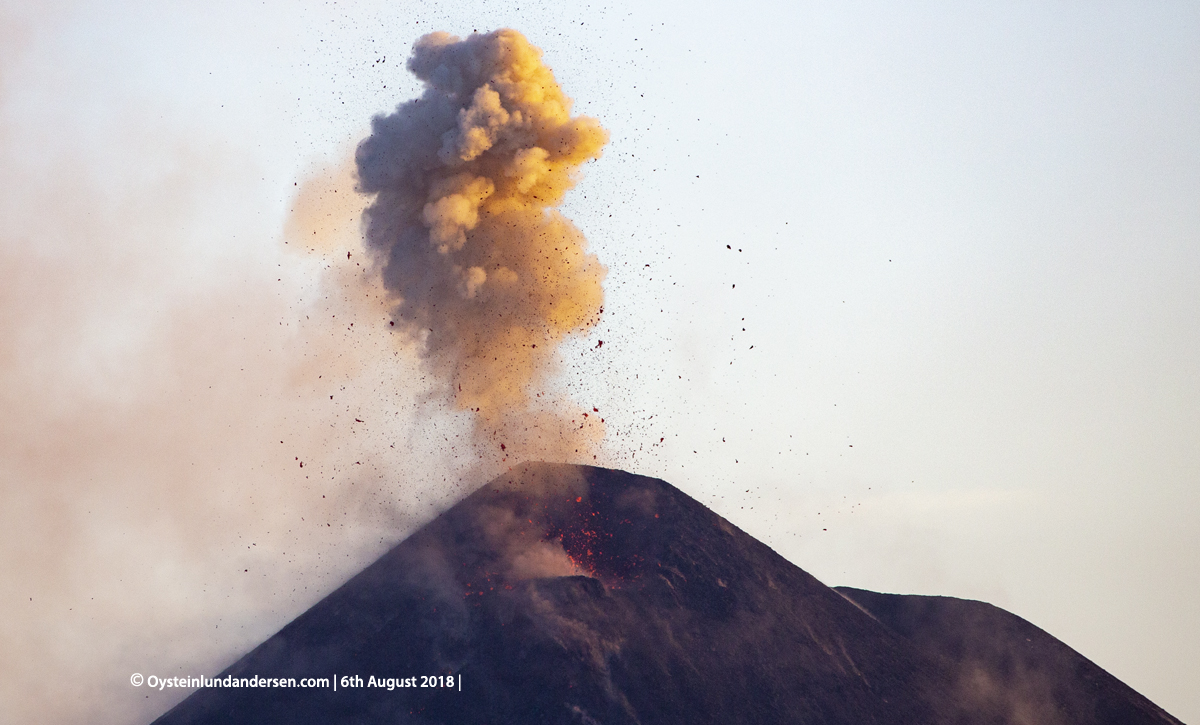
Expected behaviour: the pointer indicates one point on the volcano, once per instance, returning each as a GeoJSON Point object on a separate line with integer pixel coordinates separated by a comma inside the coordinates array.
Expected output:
{"type": "Point", "coordinates": [573, 594]}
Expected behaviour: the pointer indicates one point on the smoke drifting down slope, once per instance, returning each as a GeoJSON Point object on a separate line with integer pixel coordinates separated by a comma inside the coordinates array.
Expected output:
{"type": "Point", "coordinates": [487, 276]}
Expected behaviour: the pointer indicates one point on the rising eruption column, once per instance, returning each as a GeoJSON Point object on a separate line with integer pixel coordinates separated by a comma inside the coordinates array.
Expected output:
{"type": "Point", "coordinates": [487, 277]}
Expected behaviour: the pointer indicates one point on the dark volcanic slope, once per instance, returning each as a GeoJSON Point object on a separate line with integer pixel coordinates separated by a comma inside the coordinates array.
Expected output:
{"type": "Point", "coordinates": [1007, 669]}
{"type": "Point", "coordinates": [568, 594]}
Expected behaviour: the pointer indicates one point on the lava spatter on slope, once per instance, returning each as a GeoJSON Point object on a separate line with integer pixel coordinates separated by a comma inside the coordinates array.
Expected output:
{"type": "Point", "coordinates": [591, 534]}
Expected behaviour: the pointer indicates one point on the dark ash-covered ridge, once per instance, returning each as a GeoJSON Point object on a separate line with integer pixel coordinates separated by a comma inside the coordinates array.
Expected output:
{"type": "Point", "coordinates": [1007, 669]}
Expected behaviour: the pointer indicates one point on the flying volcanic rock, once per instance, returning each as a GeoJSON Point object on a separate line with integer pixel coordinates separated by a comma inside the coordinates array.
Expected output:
{"type": "Point", "coordinates": [570, 594]}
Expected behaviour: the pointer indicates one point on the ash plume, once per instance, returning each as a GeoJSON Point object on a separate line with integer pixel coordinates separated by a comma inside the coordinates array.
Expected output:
{"type": "Point", "coordinates": [487, 277]}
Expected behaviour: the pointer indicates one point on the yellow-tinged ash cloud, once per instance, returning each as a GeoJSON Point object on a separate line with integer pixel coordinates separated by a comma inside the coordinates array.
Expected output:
{"type": "Point", "coordinates": [485, 274]}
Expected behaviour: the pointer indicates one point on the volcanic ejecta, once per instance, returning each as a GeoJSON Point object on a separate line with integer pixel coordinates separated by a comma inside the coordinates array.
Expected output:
{"type": "Point", "coordinates": [486, 276]}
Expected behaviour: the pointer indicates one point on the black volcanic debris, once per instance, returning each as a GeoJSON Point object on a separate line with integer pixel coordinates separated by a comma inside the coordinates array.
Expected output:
{"type": "Point", "coordinates": [572, 594]}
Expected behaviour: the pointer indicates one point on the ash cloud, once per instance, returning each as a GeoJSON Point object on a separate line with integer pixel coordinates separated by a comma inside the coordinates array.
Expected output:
{"type": "Point", "coordinates": [486, 276]}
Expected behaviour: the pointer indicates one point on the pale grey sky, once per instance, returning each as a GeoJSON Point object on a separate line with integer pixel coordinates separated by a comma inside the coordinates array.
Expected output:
{"type": "Point", "coordinates": [964, 243]}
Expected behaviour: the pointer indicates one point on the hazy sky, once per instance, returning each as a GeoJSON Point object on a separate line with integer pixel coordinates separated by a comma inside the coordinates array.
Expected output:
{"type": "Point", "coordinates": [908, 291]}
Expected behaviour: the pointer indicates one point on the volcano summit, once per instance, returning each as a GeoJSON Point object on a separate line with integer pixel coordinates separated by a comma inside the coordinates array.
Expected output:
{"type": "Point", "coordinates": [572, 594]}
